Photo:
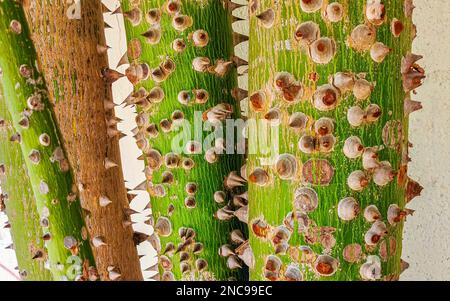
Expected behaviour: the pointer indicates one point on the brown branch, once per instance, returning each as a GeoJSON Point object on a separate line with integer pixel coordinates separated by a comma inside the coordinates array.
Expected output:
{"type": "Point", "coordinates": [69, 58]}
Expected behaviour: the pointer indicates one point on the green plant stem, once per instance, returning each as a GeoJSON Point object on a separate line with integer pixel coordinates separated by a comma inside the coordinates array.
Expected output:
{"type": "Point", "coordinates": [273, 202]}
{"type": "Point", "coordinates": [26, 232]}
{"type": "Point", "coordinates": [213, 17]}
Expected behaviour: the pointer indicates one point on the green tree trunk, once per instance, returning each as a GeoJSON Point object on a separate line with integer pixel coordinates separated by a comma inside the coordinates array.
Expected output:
{"type": "Point", "coordinates": [181, 55]}
{"type": "Point", "coordinates": [67, 253]}
{"type": "Point", "coordinates": [309, 210]}
{"type": "Point", "coordinates": [26, 231]}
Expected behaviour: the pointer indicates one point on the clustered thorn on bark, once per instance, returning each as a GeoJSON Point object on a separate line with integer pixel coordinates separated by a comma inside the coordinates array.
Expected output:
{"type": "Point", "coordinates": [340, 195]}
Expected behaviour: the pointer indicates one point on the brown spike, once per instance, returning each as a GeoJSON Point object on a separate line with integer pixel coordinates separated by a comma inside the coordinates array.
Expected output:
{"type": "Point", "coordinates": [239, 38]}
{"type": "Point", "coordinates": [142, 186]}
{"type": "Point", "coordinates": [126, 223]}
{"type": "Point", "coordinates": [113, 132]}
{"type": "Point", "coordinates": [110, 75]}
{"type": "Point", "coordinates": [403, 266]}
{"type": "Point", "coordinates": [413, 189]}
{"type": "Point", "coordinates": [153, 268]}
{"type": "Point", "coordinates": [106, 25]}
{"type": "Point", "coordinates": [411, 106]}
{"type": "Point", "coordinates": [131, 196]}
{"type": "Point", "coordinates": [239, 62]}
{"type": "Point", "coordinates": [239, 94]}
{"type": "Point", "coordinates": [123, 60]}
{"type": "Point", "coordinates": [129, 211]}
{"type": "Point", "coordinates": [102, 49]}
{"type": "Point", "coordinates": [117, 11]}
{"type": "Point", "coordinates": [139, 238]}
{"type": "Point", "coordinates": [109, 163]}
{"type": "Point", "coordinates": [113, 121]}
{"type": "Point", "coordinates": [230, 5]}
{"type": "Point", "coordinates": [105, 9]}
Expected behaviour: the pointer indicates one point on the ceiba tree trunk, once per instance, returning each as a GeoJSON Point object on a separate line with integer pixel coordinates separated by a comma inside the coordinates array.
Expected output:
{"type": "Point", "coordinates": [181, 62]}
{"type": "Point", "coordinates": [337, 79]}
{"type": "Point", "coordinates": [23, 218]}
{"type": "Point", "coordinates": [66, 253]}
{"type": "Point", "coordinates": [72, 54]}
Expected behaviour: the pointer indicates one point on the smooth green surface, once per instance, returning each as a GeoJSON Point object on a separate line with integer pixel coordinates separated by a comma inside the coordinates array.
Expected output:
{"type": "Point", "coordinates": [65, 217]}
{"type": "Point", "coordinates": [275, 200]}
{"type": "Point", "coordinates": [215, 19]}
{"type": "Point", "coordinates": [21, 207]}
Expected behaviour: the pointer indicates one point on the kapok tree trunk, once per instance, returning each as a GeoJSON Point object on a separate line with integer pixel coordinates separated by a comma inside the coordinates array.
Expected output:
{"type": "Point", "coordinates": [72, 55]}
{"type": "Point", "coordinates": [67, 251]}
{"type": "Point", "coordinates": [181, 56]}
{"type": "Point", "coordinates": [337, 78]}
{"type": "Point", "coordinates": [18, 202]}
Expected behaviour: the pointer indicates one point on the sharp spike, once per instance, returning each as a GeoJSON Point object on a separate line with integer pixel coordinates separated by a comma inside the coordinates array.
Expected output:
{"type": "Point", "coordinates": [117, 11]}
{"type": "Point", "coordinates": [102, 49]}
{"type": "Point", "coordinates": [104, 201]}
{"type": "Point", "coordinates": [113, 275]}
{"type": "Point", "coordinates": [142, 186]}
{"type": "Point", "coordinates": [131, 196]}
{"type": "Point", "coordinates": [98, 241]}
{"type": "Point", "coordinates": [411, 106]}
{"type": "Point", "coordinates": [129, 211]}
{"type": "Point", "coordinates": [112, 132]}
{"type": "Point", "coordinates": [109, 163]}
{"type": "Point", "coordinates": [123, 60]}
{"type": "Point", "coordinates": [105, 9]}
{"type": "Point", "coordinates": [239, 38]}
{"type": "Point", "coordinates": [126, 223]}
{"type": "Point", "coordinates": [110, 75]}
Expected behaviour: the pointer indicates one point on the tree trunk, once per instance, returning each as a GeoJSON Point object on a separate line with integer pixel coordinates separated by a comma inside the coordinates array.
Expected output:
{"type": "Point", "coordinates": [23, 217]}
{"type": "Point", "coordinates": [309, 210]}
{"type": "Point", "coordinates": [72, 55]}
{"type": "Point", "coordinates": [180, 54]}
{"type": "Point", "coordinates": [68, 254]}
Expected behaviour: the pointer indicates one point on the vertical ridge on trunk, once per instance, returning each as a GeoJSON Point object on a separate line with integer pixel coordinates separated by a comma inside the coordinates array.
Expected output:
{"type": "Point", "coordinates": [336, 77]}
{"type": "Point", "coordinates": [180, 55]}
{"type": "Point", "coordinates": [72, 55]}
{"type": "Point", "coordinates": [67, 251]}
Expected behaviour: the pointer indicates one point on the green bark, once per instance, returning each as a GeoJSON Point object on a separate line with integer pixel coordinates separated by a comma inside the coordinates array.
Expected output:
{"type": "Point", "coordinates": [272, 202]}
{"type": "Point", "coordinates": [67, 252]}
{"type": "Point", "coordinates": [213, 17]}
{"type": "Point", "coordinates": [23, 217]}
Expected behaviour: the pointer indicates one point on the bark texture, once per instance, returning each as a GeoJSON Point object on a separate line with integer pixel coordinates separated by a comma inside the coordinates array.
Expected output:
{"type": "Point", "coordinates": [72, 55]}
